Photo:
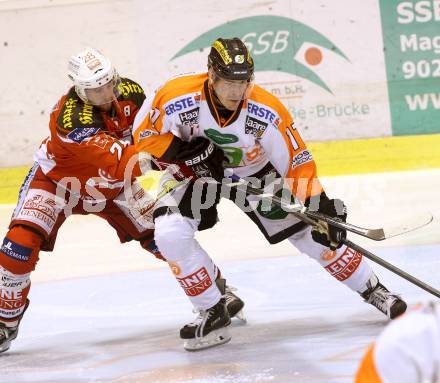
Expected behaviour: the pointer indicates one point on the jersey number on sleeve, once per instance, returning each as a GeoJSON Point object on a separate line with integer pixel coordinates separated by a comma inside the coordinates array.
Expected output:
{"type": "Point", "coordinates": [290, 133]}
{"type": "Point", "coordinates": [117, 147]}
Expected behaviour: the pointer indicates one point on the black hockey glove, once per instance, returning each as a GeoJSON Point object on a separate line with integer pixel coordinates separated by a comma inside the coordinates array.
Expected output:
{"type": "Point", "coordinates": [324, 234]}
{"type": "Point", "coordinates": [203, 157]}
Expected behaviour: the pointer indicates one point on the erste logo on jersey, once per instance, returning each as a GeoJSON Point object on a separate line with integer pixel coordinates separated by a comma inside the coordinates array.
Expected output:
{"type": "Point", "coordinates": [80, 134]}
{"type": "Point", "coordinates": [264, 113]}
{"type": "Point", "coordinates": [181, 104]}
{"type": "Point", "coordinates": [255, 127]}
{"type": "Point", "coordinates": [190, 117]}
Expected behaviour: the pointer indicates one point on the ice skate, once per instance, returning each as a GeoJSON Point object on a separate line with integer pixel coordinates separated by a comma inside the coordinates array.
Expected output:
{"type": "Point", "coordinates": [233, 303]}
{"type": "Point", "coordinates": [7, 335]}
{"type": "Point", "coordinates": [209, 329]}
{"type": "Point", "coordinates": [379, 296]}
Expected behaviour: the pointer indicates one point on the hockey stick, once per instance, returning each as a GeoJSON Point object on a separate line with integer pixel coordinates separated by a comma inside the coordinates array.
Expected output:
{"type": "Point", "coordinates": [302, 213]}
{"type": "Point", "coordinates": [392, 268]}
{"type": "Point", "coordinates": [379, 234]}
{"type": "Point", "coordinates": [305, 216]}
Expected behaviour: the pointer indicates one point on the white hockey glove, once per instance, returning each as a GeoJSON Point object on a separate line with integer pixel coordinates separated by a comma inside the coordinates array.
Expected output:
{"type": "Point", "coordinates": [138, 203]}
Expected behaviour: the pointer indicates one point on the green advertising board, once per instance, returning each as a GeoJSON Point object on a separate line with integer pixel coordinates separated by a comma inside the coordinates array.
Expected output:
{"type": "Point", "coordinates": [411, 35]}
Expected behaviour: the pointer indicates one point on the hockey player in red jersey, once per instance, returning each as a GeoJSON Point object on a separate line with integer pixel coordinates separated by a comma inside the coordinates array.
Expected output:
{"type": "Point", "coordinates": [87, 165]}
{"type": "Point", "coordinates": [78, 169]}
{"type": "Point", "coordinates": [198, 119]}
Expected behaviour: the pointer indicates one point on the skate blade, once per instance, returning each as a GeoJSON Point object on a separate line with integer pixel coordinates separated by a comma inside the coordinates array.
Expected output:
{"type": "Point", "coordinates": [241, 317]}
{"type": "Point", "coordinates": [5, 347]}
{"type": "Point", "coordinates": [214, 338]}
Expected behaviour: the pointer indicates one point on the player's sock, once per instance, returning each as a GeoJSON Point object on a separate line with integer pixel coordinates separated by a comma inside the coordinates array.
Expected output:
{"type": "Point", "coordinates": [380, 297]}
{"type": "Point", "coordinates": [209, 329]}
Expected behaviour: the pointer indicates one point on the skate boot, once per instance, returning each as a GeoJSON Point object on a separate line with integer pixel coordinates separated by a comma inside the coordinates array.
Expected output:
{"type": "Point", "coordinates": [7, 335]}
{"type": "Point", "coordinates": [378, 295]}
{"type": "Point", "coordinates": [233, 303]}
{"type": "Point", "coordinates": [209, 329]}
{"type": "Point", "coordinates": [8, 332]}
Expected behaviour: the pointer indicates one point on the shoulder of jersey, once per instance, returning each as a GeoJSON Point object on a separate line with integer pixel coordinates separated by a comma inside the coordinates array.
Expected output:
{"type": "Point", "coordinates": [75, 119]}
{"type": "Point", "coordinates": [262, 96]}
{"type": "Point", "coordinates": [264, 107]}
{"type": "Point", "coordinates": [131, 91]}
{"type": "Point", "coordinates": [180, 86]}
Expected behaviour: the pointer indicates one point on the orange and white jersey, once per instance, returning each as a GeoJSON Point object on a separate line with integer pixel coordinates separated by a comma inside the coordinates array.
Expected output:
{"type": "Point", "coordinates": [261, 130]}
{"type": "Point", "coordinates": [407, 351]}
{"type": "Point", "coordinates": [90, 147]}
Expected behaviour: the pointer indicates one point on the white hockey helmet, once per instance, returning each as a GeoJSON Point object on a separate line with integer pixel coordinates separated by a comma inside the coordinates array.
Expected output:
{"type": "Point", "coordinates": [90, 69]}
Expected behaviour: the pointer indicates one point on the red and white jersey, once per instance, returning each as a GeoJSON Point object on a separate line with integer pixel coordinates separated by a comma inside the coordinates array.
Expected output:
{"type": "Point", "coordinates": [407, 351]}
{"type": "Point", "coordinates": [92, 146]}
{"type": "Point", "coordinates": [261, 130]}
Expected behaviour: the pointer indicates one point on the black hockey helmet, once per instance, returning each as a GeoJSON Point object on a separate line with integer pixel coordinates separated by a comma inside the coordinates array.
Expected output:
{"type": "Point", "coordinates": [230, 59]}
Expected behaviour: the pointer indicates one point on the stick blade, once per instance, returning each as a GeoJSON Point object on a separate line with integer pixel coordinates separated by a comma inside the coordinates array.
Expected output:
{"type": "Point", "coordinates": [415, 222]}
{"type": "Point", "coordinates": [376, 234]}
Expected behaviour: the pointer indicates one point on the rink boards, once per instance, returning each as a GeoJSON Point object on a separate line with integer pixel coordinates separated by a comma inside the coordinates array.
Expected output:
{"type": "Point", "coordinates": [333, 158]}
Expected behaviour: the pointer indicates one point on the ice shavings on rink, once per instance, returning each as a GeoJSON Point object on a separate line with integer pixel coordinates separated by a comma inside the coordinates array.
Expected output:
{"type": "Point", "coordinates": [303, 326]}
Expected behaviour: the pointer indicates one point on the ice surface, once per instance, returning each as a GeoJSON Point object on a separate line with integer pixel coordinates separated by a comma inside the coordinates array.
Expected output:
{"type": "Point", "coordinates": [303, 326]}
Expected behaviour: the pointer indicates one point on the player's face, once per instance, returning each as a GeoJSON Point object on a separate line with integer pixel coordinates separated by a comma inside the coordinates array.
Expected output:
{"type": "Point", "coordinates": [102, 96]}
{"type": "Point", "coordinates": [230, 92]}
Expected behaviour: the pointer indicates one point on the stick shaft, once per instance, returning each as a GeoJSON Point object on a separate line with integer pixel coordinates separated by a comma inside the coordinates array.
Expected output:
{"type": "Point", "coordinates": [308, 219]}
{"type": "Point", "coordinates": [393, 268]}
{"type": "Point", "coordinates": [313, 217]}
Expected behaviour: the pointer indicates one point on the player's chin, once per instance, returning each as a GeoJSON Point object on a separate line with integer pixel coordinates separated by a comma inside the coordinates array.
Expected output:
{"type": "Point", "coordinates": [232, 104]}
{"type": "Point", "coordinates": [105, 107]}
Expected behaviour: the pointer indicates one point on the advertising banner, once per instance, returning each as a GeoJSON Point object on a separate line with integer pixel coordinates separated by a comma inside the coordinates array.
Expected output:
{"type": "Point", "coordinates": [411, 35]}
{"type": "Point", "coordinates": [323, 59]}
{"type": "Point", "coordinates": [346, 69]}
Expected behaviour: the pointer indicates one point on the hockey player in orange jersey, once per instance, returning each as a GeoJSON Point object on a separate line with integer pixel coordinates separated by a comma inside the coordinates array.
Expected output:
{"type": "Point", "coordinates": [87, 165]}
{"type": "Point", "coordinates": [407, 351]}
{"type": "Point", "coordinates": [199, 119]}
